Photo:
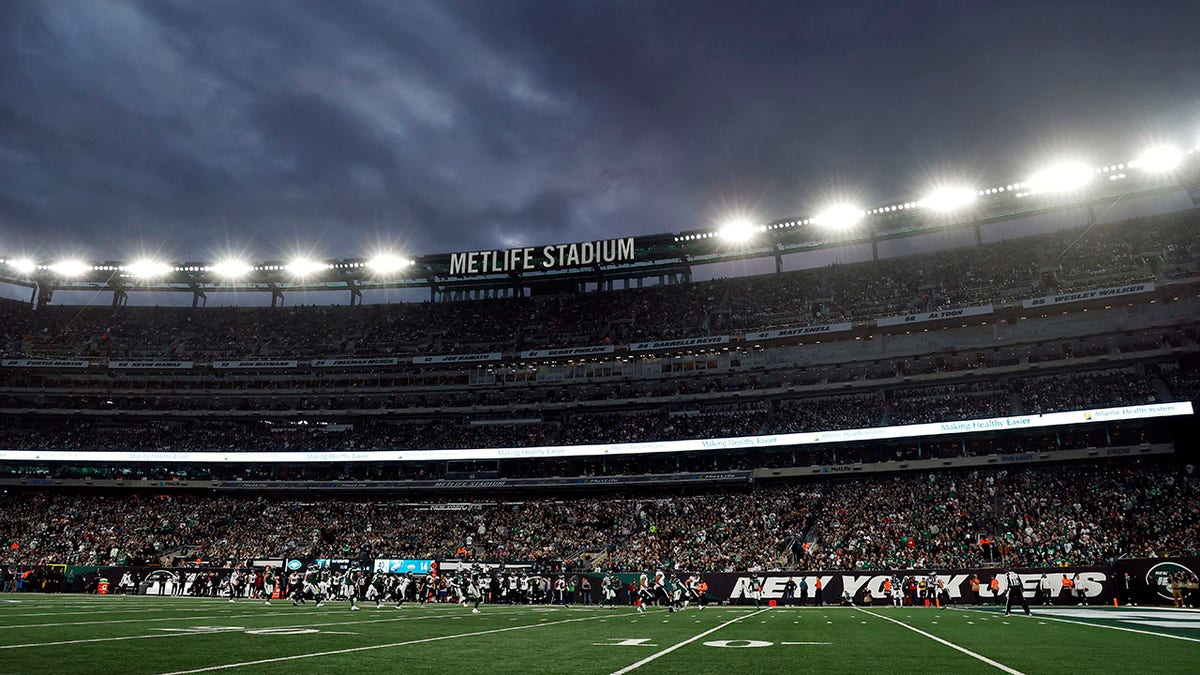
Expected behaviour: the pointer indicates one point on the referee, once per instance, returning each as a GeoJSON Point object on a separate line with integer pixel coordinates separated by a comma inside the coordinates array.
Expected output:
{"type": "Point", "coordinates": [1015, 592]}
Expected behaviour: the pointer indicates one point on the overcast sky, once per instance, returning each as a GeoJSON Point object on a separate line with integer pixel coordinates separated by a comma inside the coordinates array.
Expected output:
{"type": "Point", "coordinates": [192, 129]}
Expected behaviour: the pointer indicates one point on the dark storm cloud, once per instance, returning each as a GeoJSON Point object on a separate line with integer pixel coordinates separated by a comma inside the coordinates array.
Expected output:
{"type": "Point", "coordinates": [187, 128]}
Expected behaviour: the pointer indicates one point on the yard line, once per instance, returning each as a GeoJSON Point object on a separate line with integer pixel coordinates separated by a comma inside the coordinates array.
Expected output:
{"type": "Point", "coordinates": [964, 650]}
{"type": "Point", "coordinates": [222, 607]}
{"type": "Point", "coordinates": [352, 650]}
{"type": "Point", "coordinates": [112, 604]}
{"type": "Point", "coordinates": [94, 610]}
{"type": "Point", "coordinates": [162, 635]}
{"type": "Point", "coordinates": [1045, 616]}
{"type": "Point", "coordinates": [145, 620]}
{"type": "Point", "coordinates": [688, 641]}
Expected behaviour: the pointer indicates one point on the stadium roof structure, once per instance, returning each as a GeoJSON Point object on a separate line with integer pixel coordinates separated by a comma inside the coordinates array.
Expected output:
{"type": "Point", "coordinates": [667, 255]}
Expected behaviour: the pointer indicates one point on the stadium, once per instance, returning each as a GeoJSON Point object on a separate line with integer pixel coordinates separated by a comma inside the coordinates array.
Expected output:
{"type": "Point", "coordinates": [953, 432]}
{"type": "Point", "coordinates": [949, 414]}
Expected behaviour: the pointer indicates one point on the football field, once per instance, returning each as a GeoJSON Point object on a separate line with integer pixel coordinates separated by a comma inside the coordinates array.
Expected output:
{"type": "Point", "coordinates": [87, 634]}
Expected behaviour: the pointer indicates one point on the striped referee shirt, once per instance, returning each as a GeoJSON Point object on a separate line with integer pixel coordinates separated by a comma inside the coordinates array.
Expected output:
{"type": "Point", "coordinates": [1014, 581]}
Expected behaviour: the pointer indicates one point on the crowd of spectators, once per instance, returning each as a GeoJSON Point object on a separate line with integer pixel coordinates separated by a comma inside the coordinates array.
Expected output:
{"type": "Point", "coordinates": [1184, 381]}
{"type": "Point", "coordinates": [916, 405]}
{"type": "Point", "coordinates": [1035, 516]}
{"type": "Point", "coordinates": [989, 273]}
{"type": "Point", "coordinates": [1076, 391]}
{"type": "Point", "coordinates": [526, 427]}
{"type": "Point", "coordinates": [1039, 517]}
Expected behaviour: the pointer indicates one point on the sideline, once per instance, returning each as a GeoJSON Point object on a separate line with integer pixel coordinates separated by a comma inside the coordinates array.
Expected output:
{"type": "Point", "coordinates": [1047, 617]}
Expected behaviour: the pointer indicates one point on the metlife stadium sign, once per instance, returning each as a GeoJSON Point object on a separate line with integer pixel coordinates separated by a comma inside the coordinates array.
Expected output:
{"type": "Point", "coordinates": [553, 257]}
{"type": "Point", "coordinates": [1075, 417]}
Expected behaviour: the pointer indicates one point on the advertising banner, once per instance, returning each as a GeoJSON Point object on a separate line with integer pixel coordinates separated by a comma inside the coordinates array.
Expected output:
{"type": "Point", "coordinates": [940, 315]}
{"type": "Point", "coordinates": [1081, 296]}
{"type": "Point", "coordinates": [1011, 423]}
{"type": "Point", "coordinates": [256, 364]}
{"type": "Point", "coordinates": [867, 587]}
{"type": "Point", "coordinates": [1145, 581]}
{"type": "Point", "coordinates": [552, 257]}
{"type": "Point", "coordinates": [458, 358]}
{"type": "Point", "coordinates": [1149, 579]}
{"type": "Point", "coordinates": [678, 344]}
{"type": "Point", "coordinates": [149, 365]}
{"type": "Point", "coordinates": [401, 566]}
{"type": "Point", "coordinates": [799, 331]}
{"type": "Point", "coordinates": [45, 363]}
{"type": "Point", "coordinates": [355, 363]}
{"type": "Point", "coordinates": [566, 352]}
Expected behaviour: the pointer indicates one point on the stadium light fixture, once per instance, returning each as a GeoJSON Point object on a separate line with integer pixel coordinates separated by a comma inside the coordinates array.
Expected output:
{"type": "Point", "coordinates": [947, 199]}
{"type": "Point", "coordinates": [230, 269]}
{"type": "Point", "coordinates": [738, 230]}
{"type": "Point", "coordinates": [386, 263]}
{"type": "Point", "coordinates": [71, 268]}
{"type": "Point", "coordinates": [1159, 159]}
{"type": "Point", "coordinates": [145, 269]}
{"type": "Point", "coordinates": [1067, 177]}
{"type": "Point", "coordinates": [840, 217]}
{"type": "Point", "coordinates": [23, 265]}
{"type": "Point", "coordinates": [302, 267]}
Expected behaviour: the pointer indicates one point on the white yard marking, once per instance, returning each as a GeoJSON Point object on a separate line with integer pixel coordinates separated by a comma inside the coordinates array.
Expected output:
{"type": "Point", "coordinates": [115, 610]}
{"type": "Point", "coordinates": [964, 650]}
{"type": "Point", "coordinates": [1122, 614]}
{"type": "Point", "coordinates": [626, 642]}
{"type": "Point", "coordinates": [147, 620]}
{"type": "Point", "coordinates": [686, 642]}
{"type": "Point", "coordinates": [353, 650]}
{"type": "Point", "coordinates": [1165, 624]}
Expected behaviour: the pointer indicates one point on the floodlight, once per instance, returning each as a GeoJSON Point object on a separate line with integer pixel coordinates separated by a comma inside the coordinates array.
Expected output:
{"type": "Point", "coordinates": [840, 217]}
{"type": "Point", "coordinates": [949, 198]}
{"type": "Point", "coordinates": [737, 230]}
{"type": "Point", "coordinates": [147, 268]}
{"type": "Point", "coordinates": [387, 263]}
{"type": "Point", "coordinates": [1061, 178]}
{"type": "Point", "coordinates": [230, 269]}
{"type": "Point", "coordinates": [1160, 159]}
{"type": "Point", "coordinates": [303, 267]}
{"type": "Point", "coordinates": [70, 268]}
{"type": "Point", "coordinates": [23, 265]}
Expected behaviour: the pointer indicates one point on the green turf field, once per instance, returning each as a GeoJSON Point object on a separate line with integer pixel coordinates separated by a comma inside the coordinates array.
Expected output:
{"type": "Point", "coordinates": [84, 634]}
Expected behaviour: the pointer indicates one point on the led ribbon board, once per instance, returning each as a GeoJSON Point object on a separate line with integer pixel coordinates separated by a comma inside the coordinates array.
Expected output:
{"type": "Point", "coordinates": [1091, 416]}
